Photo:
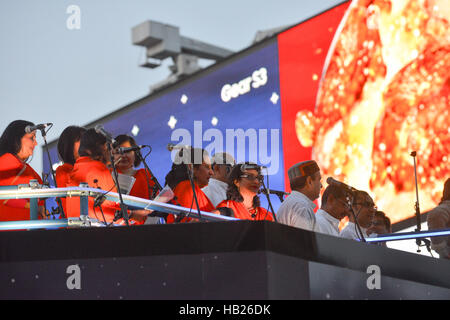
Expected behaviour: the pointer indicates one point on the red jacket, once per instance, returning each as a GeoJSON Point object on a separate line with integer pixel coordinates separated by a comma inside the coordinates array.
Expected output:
{"type": "Point", "coordinates": [62, 175]}
{"type": "Point", "coordinates": [140, 189]}
{"type": "Point", "coordinates": [97, 175]}
{"type": "Point", "coordinates": [241, 212]}
{"type": "Point", "coordinates": [13, 172]}
{"type": "Point", "coordinates": [185, 198]}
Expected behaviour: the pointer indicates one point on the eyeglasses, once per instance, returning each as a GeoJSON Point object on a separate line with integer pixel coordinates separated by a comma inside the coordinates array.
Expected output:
{"type": "Point", "coordinates": [123, 152]}
{"type": "Point", "coordinates": [251, 177]}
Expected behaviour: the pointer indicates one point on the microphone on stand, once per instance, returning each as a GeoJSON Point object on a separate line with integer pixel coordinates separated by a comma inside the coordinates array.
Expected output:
{"type": "Point", "coordinates": [123, 150]}
{"type": "Point", "coordinates": [276, 192]}
{"type": "Point", "coordinates": [42, 126]}
{"type": "Point", "coordinates": [30, 129]}
{"type": "Point", "coordinates": [252, 166]}
{"type": "Point", "coordinates": [279, 194]}
{"type": "Point", "coordinates": [172, 146]}
{"type": "Point", "coordinates": [100, 130]}
{"type": "Point", "coordinates": [341, 185]}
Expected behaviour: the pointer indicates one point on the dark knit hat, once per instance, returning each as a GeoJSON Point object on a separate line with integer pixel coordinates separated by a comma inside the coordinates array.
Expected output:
{"type": "Point", "coordinates": [303, 169]}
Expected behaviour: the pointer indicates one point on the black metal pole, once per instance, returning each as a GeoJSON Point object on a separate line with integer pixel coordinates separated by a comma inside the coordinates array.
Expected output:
{"type": "Point", "coordinates": [58, 200]}
{"type": "Point", "coordinates": [355, 217]}
{"type": "Point", "coordinates": [416, 206]}
{"type": "Point", "coordinates": [417, 210]}
{"type": "Point", "coordinates": [191, 179]}
{"type": "Point", "coordinates": [123, 207]}
{"type": "Point", "coordinates": [157, 185]}
{"type": "Point", "coordinates": [266, 192]}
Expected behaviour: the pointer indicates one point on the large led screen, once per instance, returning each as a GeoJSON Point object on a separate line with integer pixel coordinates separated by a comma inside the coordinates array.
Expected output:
{"type": "Point", "coordinates": [383, 92]}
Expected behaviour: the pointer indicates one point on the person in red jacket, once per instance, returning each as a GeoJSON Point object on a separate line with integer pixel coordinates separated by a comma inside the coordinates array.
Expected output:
{"type": "Point", "coordinates": [68, 145]}
{"type": "Point", "coordinates": [198, 162]}
{"type": "Point", "coordinates": [242, 194]}
{"type": "Point", "coordinates": [126, 163]}
{"type": "Point", "coordinates": [91, 168]}
{"type": "Point", "coordinates": [16, 147]}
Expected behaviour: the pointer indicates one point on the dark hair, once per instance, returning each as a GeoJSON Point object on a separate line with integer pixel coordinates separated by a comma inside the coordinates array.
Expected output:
{"type": "Point", "coordinates": [10, 141]}
{"type": "Point", "coordinates": [386, 220]}
{"type": "Point", "coordinates": [233, 191]}
{"type": "Point", "coordinates": [446, 191]}
{"type": "Point", "coordinates": [91, 145]}
{"type": "Point", "coordinates": [298, 183]}
{"type": "Point", "coordinates": [66, 141]}
{"type": "Point", "coordinates": [179, 172]}
{"type": "Point", "coordinates": [122, 138]}
{"type": "Point", "coordinates": [361, 195]}
{"type": "Point", "coordinates": [387, 223]}
{"type": "Point", "coordinates": [222, 158]}
{"type": "Point", "coordinates": [337, 193]}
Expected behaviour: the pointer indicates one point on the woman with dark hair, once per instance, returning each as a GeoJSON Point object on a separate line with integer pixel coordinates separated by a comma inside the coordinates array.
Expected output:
{"type": "Point", "coordinates": [198, 161]}
{"type": "Point", "coordinates": [126, 164]}
{"type": "Point", "coordinates": [68, 145]}
{"type": "Point", "coordinates": [16, 147]}
{"type": "Point", "coordinates": [91, 167]}
{"type": "Point", "coordinates": [242, 194]}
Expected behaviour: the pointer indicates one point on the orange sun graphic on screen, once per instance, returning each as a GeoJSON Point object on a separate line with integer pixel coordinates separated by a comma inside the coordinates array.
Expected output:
{"type": "Point", "coordinates": [384, 92]}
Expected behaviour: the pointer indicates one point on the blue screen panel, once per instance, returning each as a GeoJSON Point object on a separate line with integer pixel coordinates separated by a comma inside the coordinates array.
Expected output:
{"type": "Point", "coordinates": [234, 108]}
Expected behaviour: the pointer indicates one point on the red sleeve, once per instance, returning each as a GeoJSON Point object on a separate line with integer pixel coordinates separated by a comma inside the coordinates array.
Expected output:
{"type": "Point", "coordinates": [14, 172]}
{"type": "Point", "coordinates": [222, 204]}
{"type": "Point", "coordinates": [96, 175]}
{"type": "Point", "coordinates": [265, 215]}
{"type": "Point", "coordinates": [100, 178]}
{"type": "Point", "coordinates": [184, 195]}
{"type": "Point", "coordinates": [62, 175]}
{"type": "Point", "coordinates": [140, 187]}
{"type": "Point", "coordinates": [185, 198]}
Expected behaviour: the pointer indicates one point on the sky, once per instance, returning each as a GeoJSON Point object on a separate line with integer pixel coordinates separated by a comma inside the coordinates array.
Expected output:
{"type": "Point", "coordinates": [50, 73]}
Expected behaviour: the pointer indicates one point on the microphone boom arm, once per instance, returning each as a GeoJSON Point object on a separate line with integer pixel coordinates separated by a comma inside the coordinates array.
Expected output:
{"type": "Point", "coordinates": [52, 172]}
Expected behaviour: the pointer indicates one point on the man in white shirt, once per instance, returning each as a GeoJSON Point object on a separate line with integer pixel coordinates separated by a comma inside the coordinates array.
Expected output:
{"type": "Point", "coordinates": [334, 207]}
{"type": "Point", "coordinates": [216, 190]}
{"type": "Point", "coordinates": [364, 209]}
{"type": "Point", "coordinates": [297, 210]}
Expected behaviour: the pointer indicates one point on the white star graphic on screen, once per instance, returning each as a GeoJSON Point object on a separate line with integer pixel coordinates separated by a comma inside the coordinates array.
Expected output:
{"type": "Point", "coordinates": [274, 98]}
{"type": "Point", "coordinates": [172, 122]}
{"type": "Point", "coordinates": [135, 130]}
{"type": "Point", "coordinates": [184, 99]}
{"type": "Point", "coordinates": [214, 121]}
